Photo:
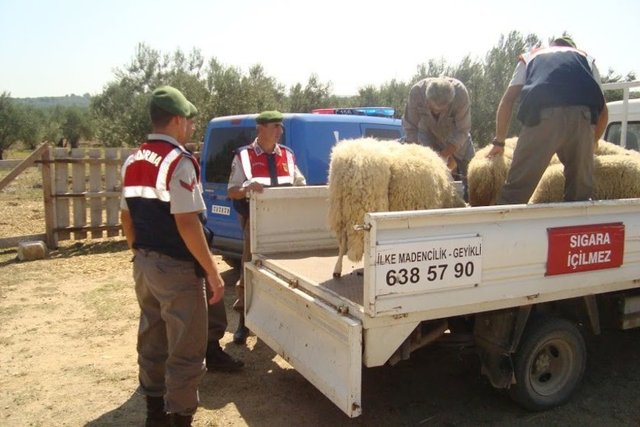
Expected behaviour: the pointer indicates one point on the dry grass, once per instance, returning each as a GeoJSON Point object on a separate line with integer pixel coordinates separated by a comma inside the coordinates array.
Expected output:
{"type": "Point", "coordinates": [22, 204]}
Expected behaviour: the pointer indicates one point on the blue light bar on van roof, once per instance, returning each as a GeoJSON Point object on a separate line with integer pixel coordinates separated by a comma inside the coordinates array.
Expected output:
{"type": "Point", "coordinates": [358, 111]}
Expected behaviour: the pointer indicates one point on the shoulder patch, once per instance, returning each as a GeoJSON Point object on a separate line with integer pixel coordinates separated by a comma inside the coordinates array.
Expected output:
{"type": "Point", "coordinates": [188, 186]}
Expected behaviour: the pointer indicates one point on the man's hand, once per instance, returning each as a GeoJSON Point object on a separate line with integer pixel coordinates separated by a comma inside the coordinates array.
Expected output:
{"type": "Point", "coordinates": [451, 163]}
{"type": "Point", "coordinates": [215, 284]}
{"type": "Point", "coordinates": [495, 151]}
{"type": "Point", "coordinates": [254, 186]}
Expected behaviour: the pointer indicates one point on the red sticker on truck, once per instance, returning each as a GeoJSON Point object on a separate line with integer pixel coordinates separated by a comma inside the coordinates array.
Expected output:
{"type": "Point", "coordinates": [585, 248]}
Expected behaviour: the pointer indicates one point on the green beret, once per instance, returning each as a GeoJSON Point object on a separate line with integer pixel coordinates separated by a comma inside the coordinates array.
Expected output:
{"type": "Point", "coordinates": [171, 100]}
{"type": "Point", "coordinates": [193, 111]}
{"type": "Point", "coordinates": [269, 117]}
{"type": "Point", "coordinates": [564, 41]}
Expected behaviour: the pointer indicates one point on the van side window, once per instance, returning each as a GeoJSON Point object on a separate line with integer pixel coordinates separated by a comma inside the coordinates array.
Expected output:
{"type": "Point", "coordinates": [613, 134]}
{"type": "Point", "coordinates": [224, 142]}
{"type": "Point", "coordinates": [379, 133]}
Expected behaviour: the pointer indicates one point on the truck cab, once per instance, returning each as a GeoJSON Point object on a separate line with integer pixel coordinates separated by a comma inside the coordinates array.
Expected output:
{"type": "Point", "coordinates": [311, 136]}
{"type": "Point", "coordinates": [614, 130]}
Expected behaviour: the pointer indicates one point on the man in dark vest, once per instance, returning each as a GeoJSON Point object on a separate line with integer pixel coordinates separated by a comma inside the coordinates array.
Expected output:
{"type": "Point", "coordinates": [563, 112]}
{"type": "Point", "coordinates": [263, 163]}
{"type": "Point", "coordinates": [162, 214]}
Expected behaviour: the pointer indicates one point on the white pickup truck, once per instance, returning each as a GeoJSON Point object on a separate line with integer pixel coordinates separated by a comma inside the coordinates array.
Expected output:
{"type": "Point", "coordinates": [518, 283]}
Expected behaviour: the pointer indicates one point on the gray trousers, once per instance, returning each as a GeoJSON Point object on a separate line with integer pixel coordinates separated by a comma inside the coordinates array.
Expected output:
{"type": "Point", "coordinates": [172, 336]}
{"type": "Point", "coordinates": [238, 305]}
{"type": "Point", "coordinates": [217, 316]}
{"type": "Point", "coordinates": [566, 131]}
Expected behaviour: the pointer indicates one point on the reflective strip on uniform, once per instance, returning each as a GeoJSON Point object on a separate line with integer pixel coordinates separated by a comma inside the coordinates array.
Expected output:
{"type": "Point", "coordinates": [146, 193]}
{"type": "Point", "coordinates": [266, 181]}
{"type": "Point", "coordinates": [163, 170]}
{"type": "Point", "coordinates": [285, 180]}
{"type": "Point", "coordinates": [292, 168]}
{"type": "Point", "coordinates": [246, 164]}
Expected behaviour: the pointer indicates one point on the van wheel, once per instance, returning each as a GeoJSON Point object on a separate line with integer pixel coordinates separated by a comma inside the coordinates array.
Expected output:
{"type": "Point", "coordinates": [549, 364]}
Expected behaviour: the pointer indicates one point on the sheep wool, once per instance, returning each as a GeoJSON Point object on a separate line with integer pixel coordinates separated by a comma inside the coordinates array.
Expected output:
{"type": "Point", "coordinates": [486, 177]}
{"type": "Point", "coordinates": [358, 183]}
{"type": "Point", "coordinates": [616, 176]}
{"type": "Point", "coordinates": [606, 148]}
{"type": "Point", "coordinates": [420, 180]}
{"type": "Point", "coordinates": [368, 175]}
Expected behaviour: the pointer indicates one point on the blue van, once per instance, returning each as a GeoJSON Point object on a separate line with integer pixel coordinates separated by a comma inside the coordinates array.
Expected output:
{"type": "Point", "coordinates": [311, 136]}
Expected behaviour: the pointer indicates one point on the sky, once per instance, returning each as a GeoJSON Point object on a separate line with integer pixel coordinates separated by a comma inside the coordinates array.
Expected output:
{"type": "Point", "coordinates": [63, 47]}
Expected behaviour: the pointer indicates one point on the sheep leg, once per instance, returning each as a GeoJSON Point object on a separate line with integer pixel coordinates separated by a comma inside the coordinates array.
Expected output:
{"type": "Point", "coordinates": [342, 249]}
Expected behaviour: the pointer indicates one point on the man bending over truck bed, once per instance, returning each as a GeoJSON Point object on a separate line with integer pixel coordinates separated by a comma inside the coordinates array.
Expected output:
{"type": "Point", "coordinates": [562, 110]}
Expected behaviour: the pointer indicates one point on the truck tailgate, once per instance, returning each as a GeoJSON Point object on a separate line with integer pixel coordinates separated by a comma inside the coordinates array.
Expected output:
{"type": "Point", "coordinates": [323, 345]}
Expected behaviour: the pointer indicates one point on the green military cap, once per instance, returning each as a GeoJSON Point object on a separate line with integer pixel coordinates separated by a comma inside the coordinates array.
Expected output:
{"type": "Point", "coordinates": [564, 41]}
{"type": "Point", "coordinates": [269, 117]}
{"type": "Point", "coordinates": [193, 111]}
{"type": "Point", "coordinates": [172, 101]}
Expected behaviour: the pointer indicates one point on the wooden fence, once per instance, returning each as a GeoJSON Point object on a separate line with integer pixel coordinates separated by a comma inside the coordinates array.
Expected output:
{"type": "Point", "coordinates": [82, 193]}
{"type": "Point", "coordinates": [81, 190]}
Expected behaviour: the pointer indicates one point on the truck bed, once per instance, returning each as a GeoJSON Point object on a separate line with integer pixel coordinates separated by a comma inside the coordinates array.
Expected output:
{"type": "Point", "coordinates": [315, 267]}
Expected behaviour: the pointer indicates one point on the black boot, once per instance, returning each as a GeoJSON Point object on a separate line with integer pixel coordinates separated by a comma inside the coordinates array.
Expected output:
{"type": "Point", "coordinates": [156, 417]}
{"type": "Point", "coordinates": [178, 420]}
{"type": "Point", "coordinates": [218, 360]}
{"type": "Point", "coordinates": [240, 335]}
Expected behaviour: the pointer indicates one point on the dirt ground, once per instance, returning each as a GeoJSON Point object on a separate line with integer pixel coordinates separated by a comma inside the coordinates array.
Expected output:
{"type": "Point", "coordinates": [67, 338]}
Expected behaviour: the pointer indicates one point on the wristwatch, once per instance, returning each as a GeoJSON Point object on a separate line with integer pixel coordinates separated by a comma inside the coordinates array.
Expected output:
{"type": "Point", "coordinates": [497, 143]}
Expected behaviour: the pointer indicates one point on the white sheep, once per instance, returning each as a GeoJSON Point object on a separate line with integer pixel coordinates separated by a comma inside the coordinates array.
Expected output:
{"type": "Point", "coordinates": [418, 180]}
{"type": "Point", "coordinates": [359, 175]}
{"type": "Point", "coordinates": [605, 148]}
{"type": "Point", "coordinates": [485, 177]}
{"type": "Point", "coordinates": [367, 175]}
{"type": "Point", "coordinates": [616, 176]}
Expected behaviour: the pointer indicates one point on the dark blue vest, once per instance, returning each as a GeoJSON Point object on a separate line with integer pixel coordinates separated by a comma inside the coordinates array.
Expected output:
{"type": "Point", "coordinates": [558, 77]}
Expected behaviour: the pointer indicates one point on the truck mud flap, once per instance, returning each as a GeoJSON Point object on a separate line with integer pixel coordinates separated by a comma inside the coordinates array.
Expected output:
{"type": "Point", "coordinates": [321, 344]}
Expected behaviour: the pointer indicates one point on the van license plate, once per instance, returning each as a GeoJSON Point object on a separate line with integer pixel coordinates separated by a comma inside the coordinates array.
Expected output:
{"type": "Point", "coordinates": [221, 210]}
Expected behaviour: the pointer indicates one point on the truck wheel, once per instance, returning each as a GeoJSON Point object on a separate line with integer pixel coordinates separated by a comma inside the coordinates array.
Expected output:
{"type": "Point", "coordinates": [548, 365]}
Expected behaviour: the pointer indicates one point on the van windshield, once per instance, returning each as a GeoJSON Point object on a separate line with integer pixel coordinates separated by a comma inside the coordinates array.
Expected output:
{"type": "Point", "coordinates": [223, 143]}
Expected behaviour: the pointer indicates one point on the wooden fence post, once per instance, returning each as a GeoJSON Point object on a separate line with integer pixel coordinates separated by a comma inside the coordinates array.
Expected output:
{"type": "Point", "coordinates": [61, 183]}
{"type": "Point", "coordinates": [79, 187]}
{"type": "Point", "coordinates": [47, 191]}
{"type": "Point", "coordinates": [96, 205]}
{"type": "Point", "coordinates": [114, 157]}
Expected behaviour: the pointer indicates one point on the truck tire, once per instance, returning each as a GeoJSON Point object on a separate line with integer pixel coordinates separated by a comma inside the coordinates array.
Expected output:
{"type": "Point", "coordinates": [549, 364]}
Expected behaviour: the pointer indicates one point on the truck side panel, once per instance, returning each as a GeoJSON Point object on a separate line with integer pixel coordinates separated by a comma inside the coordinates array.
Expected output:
{"type": "Point", "coordinates": [505, 249]}
{"type": "Point", "coordinates": [323, 346]}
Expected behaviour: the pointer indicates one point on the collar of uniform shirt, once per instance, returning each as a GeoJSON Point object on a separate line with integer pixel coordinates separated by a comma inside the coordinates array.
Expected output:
{"type": "Point", "coordinates": [163, 137]}
{"type": "Point", "coordinates": [260, 151]}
